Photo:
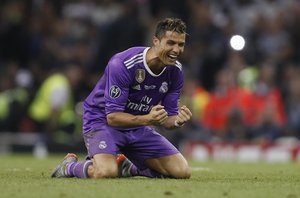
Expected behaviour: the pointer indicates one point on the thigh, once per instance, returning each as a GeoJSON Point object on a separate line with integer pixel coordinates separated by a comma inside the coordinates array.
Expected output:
{"type": "Point", "coordinates": [102, 140]}
{"type": "Point", "coordinates": [146, 143]}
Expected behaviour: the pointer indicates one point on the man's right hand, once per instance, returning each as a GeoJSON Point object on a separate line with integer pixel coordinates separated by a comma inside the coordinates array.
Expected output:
{"type": "Point", "coordinates": [157, 115]}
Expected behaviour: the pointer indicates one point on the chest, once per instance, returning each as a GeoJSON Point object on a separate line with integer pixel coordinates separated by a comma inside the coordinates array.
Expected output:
{"type": "Point", "coordinates": [149, 89]}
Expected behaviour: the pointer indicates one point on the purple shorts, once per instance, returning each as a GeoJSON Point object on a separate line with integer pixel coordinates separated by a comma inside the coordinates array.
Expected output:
{"type": "Point", "coordinates": [136, 144]}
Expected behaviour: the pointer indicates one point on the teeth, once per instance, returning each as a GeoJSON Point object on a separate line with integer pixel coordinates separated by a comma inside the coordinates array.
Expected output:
{"type": "Point", "coordinates": [173, 56]}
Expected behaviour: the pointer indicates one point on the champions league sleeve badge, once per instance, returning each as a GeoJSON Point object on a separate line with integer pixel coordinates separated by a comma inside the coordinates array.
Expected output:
{"type": "Point", "coordinates": [164, 87]}
{"type": "Point", "coordinates": [114, 91]}
{"type": "Point", "coordinates": [140, 75]}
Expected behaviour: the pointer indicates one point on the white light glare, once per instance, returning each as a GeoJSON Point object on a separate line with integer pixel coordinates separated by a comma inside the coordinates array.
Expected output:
{"type": "Point", "coordinates": [237, 42]}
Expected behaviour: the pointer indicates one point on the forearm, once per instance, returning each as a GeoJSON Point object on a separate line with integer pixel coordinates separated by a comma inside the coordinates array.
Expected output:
{"type": "Point", "coordinates": [126, 120]}
{"type": "Point", "coordinates": [170, 123]}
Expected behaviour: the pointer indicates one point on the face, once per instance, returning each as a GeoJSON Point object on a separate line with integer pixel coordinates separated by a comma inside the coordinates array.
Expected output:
{"type": "Point", "coordinates": [169, 47]}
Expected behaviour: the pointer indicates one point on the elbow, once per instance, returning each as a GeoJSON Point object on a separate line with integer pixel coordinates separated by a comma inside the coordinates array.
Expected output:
{"type": "Point", "coordinates": [111, 121]}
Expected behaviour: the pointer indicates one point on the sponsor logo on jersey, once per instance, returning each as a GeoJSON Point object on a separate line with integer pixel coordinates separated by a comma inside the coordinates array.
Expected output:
{"type": "Point", "coordinates": [144, 105]}
{"type": "Point", "coordinates": [114, 91]}
{"type": "Point", "coordinates": [140, 75]}
{"type": "Point", "coordinates": [139, 107]}
{"type": "Point", "coordinates": [164, 87]}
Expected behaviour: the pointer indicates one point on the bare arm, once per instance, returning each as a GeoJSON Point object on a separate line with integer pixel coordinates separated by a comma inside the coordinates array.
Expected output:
{"type": "Point", "coordinates": [156, 116]}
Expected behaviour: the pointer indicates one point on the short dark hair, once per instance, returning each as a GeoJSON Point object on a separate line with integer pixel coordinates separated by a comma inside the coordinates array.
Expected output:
{"type": "Point", "coordinates": [170, 24]}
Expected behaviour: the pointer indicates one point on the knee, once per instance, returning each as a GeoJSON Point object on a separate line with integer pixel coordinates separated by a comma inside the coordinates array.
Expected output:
{"type": "Point", "coordinates": [105, 172]}
{"type": "Point", "coordinates": [181, 172]}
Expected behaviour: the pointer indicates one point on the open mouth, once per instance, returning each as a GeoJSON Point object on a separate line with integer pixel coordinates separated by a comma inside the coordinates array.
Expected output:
{"type": "Point", "coordinates": [172, 57]}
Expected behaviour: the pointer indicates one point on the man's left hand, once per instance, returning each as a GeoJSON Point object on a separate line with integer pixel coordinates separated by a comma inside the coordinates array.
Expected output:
{"type": "Point", "coordinates": [184, 115]}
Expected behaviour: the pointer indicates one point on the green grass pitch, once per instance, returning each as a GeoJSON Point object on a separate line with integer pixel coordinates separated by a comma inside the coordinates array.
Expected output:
{"type": "Point", "coordinates": [26, 177]}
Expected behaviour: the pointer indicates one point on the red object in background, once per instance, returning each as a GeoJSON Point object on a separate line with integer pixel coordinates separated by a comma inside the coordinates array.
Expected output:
{"type": "Point", "coordinates": [268, 107]}
{"type": "Point", "coordinates": [223, 104]}
{"type": "Point", "coordinates": [254, 109]}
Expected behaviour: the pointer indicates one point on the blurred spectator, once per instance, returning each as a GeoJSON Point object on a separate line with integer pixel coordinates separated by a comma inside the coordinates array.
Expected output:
{"type": "Point", "coordinates": [13, 33]}
{"type": "Point", "coordinates": [273, 41]}
{"type": "Point", "coordinates": [125, 31]}
{"type": "Point", "coordinates": [14, 97]}
{"type": "Point", "coordinates": [53, 109]}
{"type": "Point", "coordinates": [269, 115]}
{"type": "Point", "coordinates": [293, 102]}
{"type": "Point", "coordinates": [197, 98]}
{"type": "Point", "coordinates": [207, 43]}
{"type": "Point", "coordinates": [225, 114]}
{"type": "Point", "coordinates": [292, 19]}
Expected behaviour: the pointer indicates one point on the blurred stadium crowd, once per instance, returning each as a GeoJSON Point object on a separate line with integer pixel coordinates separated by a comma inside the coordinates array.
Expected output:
{"type": "Point", "coordinates": [52, 52]}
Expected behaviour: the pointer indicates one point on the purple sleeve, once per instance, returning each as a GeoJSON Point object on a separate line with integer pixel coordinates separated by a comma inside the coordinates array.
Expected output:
{"type": "Point", "coordinates": [172, 99]}
{"type": "Point", "coordinates": [117, 86]}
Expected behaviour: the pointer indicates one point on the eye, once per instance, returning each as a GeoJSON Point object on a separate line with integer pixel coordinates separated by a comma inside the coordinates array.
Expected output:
{"type": "Point", "coordinates": [170, 42]}
{"type": "Point", "coordinates": [181, 44]}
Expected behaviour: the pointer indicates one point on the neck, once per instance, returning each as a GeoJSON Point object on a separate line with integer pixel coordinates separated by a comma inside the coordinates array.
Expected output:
{"type": "Point", "coordinates": [153, 61]}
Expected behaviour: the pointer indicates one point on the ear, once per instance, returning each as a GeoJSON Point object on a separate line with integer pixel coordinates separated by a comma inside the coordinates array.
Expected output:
{"type": "Point", "coordinates": [155, 41]}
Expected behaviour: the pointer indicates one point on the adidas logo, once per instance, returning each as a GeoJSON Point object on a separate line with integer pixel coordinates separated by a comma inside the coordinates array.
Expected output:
{"type": "Point", "coordinates": [136, 87]}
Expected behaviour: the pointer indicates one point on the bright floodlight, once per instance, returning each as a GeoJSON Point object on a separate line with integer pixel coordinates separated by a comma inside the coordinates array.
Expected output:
{"type": "Point", "coordinates": [237, 42]}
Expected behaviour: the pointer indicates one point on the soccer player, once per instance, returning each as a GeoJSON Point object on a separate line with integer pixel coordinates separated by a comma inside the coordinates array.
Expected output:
{"type": "Point", "coordinates": [140, 88]}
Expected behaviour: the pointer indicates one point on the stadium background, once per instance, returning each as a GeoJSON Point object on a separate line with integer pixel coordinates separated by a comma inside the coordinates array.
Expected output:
{"type": "Point", "coordinates": [249, 97]}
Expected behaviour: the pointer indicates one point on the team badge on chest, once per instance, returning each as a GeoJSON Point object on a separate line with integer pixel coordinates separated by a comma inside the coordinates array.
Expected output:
{"type": "Point", "coordinates": [164, 87]}
{"type": "Point", "coordinates": [140, 75]}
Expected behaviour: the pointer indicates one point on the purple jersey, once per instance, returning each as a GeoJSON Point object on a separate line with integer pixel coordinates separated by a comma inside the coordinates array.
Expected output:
{"type": "Point", "coordinates": [128, 85]}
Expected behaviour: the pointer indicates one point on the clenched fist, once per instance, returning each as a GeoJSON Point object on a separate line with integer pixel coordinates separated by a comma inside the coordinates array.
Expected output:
{"type": "Point", "coordinates": [183, 116]}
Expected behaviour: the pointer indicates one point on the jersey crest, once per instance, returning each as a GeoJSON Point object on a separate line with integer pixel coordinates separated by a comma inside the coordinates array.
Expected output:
{"type": "Point", "coordinates": [140, 75]}
{"type": "Point", "coordinates": [164, 87]}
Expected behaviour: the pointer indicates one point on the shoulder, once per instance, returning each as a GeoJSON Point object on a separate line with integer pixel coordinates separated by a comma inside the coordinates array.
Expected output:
{"type": "Point", "coordinates": [129, 57]}
{"type": "Point", "coordinates": [176, 72]}
{"type": "Point", "coordinates": [179, 66]}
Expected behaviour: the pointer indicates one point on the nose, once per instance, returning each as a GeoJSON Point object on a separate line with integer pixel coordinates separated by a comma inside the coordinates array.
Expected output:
{"type": "Point", "coordinates": [176, 49]}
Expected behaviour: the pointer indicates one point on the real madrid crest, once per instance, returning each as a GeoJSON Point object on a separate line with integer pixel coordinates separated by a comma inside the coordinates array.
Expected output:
{"type": "Point", "coordinates": [164, 87]}
{"type": "Point", "coordinates": [140, 75]}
